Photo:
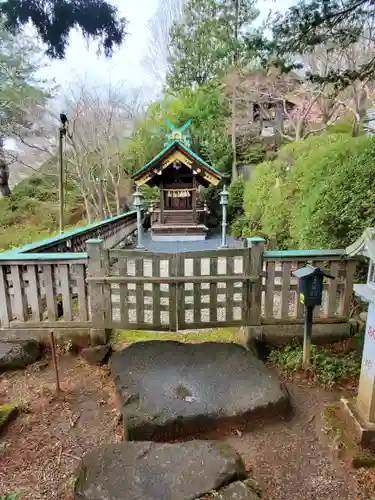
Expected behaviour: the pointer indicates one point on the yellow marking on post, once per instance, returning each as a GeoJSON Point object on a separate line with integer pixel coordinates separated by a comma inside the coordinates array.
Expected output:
{"type": "Point", "coordinates": [302, 298]}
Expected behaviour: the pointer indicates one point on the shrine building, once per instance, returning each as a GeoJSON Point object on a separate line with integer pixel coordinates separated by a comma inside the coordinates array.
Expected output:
{"type": "Point", "coordinates": [178, 173]}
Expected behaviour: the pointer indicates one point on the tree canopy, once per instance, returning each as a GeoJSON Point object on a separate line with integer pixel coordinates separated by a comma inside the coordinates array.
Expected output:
{"type": "Point", "coordinates": [22, 96]}
{"type": "Point", "coordinates": [334, 24]}
{"type": "Point", "coordinates": [208, 39]}
{"type": "Point", "coordinates": [54, 19]}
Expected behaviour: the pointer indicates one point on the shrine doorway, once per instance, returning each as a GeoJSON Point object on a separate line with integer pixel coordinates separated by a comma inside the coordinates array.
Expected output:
{"type": "Point", "coordinates": [178, 203]}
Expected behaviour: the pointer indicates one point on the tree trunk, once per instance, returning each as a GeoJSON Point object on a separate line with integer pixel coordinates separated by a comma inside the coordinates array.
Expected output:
{"type": "Point", "coordinates": [4, 172]}
{"type": "Point", "coordinates": [87, 208]}
{"type": "Point", "coordinates": [236, 29]}
{"type": "Point", "coordinates": [356, 128]}
{"type": "Point", "coordinates": [234, 146]}
{"type": "Point", "coordinates": [118, 199]}
{"type": "Point", "coordinates": [4, 179]}
{"type": "Point", "coordinates": [109, 210]}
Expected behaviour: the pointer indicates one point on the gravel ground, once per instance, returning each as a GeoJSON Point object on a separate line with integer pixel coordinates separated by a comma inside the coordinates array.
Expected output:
{"type": "Point", "coordinates": [42, 447]}
{"type": "Point", "coordinates": [40, 450]}
{"type": "Point", "coordinates": [288, 459]}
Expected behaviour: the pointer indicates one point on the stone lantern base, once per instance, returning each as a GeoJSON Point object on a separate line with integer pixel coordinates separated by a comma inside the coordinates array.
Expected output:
{"type": "Point", "coordinates": [364, 429]}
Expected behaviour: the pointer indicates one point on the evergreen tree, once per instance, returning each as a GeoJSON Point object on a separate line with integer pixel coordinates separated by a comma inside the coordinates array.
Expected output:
{"type": "Point", "coordinates": [209, 38]}
{"type": "Point", "coordinates": [332, 23]}
{"type": "Point", "coordinates": [21, 94]}
{"type": "Point", "coordinates": [54, 19]}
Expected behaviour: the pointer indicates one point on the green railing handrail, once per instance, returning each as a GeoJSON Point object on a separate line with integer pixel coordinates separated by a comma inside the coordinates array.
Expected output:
{"type": "Point", "coordinates": [299, 254]}
{"type": "Point", "coordinates": [55, 256]}
{"type": "Point", "coordinates": [70, 234]}
{"type": "Point", "coordinates": [268, 255]}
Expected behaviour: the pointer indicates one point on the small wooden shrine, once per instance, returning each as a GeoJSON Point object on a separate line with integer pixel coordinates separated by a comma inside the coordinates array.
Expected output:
{"type": "Point", "coordinates": [178, 173]}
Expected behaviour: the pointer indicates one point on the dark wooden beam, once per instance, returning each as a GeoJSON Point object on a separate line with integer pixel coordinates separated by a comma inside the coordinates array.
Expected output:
{"type": "Point", "coordinates": [194, 198]}
{"type": "Point", "coordinates": [162, 194]}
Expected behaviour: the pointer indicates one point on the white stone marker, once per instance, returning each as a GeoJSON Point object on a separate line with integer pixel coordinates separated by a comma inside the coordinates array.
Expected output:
{"type": "Point", "coordinates": [366, 391]}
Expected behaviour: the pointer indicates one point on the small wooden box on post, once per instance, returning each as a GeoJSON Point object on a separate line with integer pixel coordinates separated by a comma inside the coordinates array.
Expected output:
{"type": "Point", "coordinates": [98, 267]}
{"type": "Point", "coordinates": [363, 408]}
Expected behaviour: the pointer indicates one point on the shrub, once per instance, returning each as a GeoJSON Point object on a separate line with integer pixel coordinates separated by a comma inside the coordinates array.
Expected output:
{"type": "Point", "coordinates": [240, 226]}
{"type": "Point", "coordinates": [317, 194]}
{"type": "Point", "coordinates": [235, 202]}
{"type": "Point", "coordinates": [328, 367]}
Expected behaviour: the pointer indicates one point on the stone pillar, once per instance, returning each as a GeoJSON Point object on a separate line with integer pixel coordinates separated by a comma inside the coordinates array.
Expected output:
{"type": "Point", "coordinates": [366, 389]}
{"type": "Point", "coordinates": [224, 204]}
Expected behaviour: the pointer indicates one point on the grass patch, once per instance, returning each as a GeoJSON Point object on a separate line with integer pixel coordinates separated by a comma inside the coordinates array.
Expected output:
{"type": "Point", "coordinates": [15, 495]}
{"type": "Point", "coordinates": [342, 438]}
{"type": "Point", "coordinates": [215, 335]}
{"type": "Point", "coordinates": [329, 367]}
{"type": "Point", "coordinates": [7, 412]}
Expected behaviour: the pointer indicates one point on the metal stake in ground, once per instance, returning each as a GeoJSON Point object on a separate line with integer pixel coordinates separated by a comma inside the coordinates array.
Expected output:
{"type": "Point", "coordinates": [55, 365]}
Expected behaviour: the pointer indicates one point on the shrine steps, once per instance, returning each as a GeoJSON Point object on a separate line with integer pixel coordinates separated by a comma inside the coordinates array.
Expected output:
{"type": "Point", "coordinates": [178, 232]}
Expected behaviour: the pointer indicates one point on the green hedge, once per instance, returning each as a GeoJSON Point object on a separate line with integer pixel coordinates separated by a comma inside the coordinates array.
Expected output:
{"type": "Point", "coordinates": [317, 193]}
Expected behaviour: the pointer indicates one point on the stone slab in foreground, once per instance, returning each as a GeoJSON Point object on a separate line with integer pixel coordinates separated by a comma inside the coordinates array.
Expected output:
{"type": "Point", "coordinates": [15, 355]}
{"type": "Point", "coordinates": [162, 471]}
{"type": "Point", "coordinates": [169, 389]}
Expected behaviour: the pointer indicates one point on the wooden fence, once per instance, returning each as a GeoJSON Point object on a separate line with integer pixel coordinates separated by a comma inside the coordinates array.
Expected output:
{"type": "Point", "coordinates": [91, 292]}
{"type": "Point", "coordinates": [184, 291]}
{"type": "Point", "coordinates": [41, 292]}
{"type": "Point", "coordinates": [280, 304]}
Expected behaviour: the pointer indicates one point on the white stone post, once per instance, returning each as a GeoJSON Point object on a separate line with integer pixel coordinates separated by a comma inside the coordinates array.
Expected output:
{"type": "Point", "coordinates": [365, 402]}
{"type": "Point", "coordinates": [224, 204]}
{"type": "Point", "coordinates": [138, 206]}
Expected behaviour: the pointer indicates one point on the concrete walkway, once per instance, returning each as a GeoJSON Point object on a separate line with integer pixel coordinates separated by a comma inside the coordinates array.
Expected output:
{"type": "Point", "coordinates": [212, 242]}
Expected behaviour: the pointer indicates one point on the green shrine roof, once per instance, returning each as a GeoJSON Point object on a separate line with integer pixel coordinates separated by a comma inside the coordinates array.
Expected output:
{"type": "Point", "coordinates": [178, 139]}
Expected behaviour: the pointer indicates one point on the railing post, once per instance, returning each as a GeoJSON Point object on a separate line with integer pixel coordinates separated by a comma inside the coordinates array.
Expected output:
{"type": "Point", "coordinates": [256, 246]}
{"type": "Point", "coordinates": [253, 329]}
{"type": "Point", "coordinates": [95, 269]}
{"type": "Point", "coordinates": [5, 306]}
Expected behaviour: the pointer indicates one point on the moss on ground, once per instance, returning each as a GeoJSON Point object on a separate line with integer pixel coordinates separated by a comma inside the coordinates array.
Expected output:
{"type": "Point", "coordinates": [342, 438]}
{"type": "Point", "coordinates": [214, 335]}
{"type": "Point", "coordinates": [7, 412]}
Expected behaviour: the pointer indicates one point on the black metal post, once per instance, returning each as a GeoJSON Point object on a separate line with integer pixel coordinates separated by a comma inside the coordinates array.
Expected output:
{"type": "Point", "coordinates": [307, 336]}
{"type": "Point", "coordinates": [61, 180]}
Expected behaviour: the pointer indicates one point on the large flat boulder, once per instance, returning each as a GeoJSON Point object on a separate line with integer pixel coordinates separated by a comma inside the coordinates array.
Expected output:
{"type": "Point", "coordinates": [158, 471]}
{"type": "Point", "coordinates": [171, 389]}
{"type": "Point", "coordinates": [18, 354]}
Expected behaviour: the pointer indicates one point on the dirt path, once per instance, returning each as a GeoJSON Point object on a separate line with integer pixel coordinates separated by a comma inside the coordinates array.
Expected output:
{"type": "Point", "coordinates": [287, 457]}
{"type": "Point", "coordinates": [41, 448]}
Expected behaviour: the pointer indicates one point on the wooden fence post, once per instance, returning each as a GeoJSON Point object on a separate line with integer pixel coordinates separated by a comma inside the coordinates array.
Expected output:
{"type": "Point", "coordinates": [254, 302]}
{"type": "Point", "coordinates": [5, 306]}
{"type": "Point", "coordinates": [95, 269]}
{"type": "Point", "coordinates": [256, 245]}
